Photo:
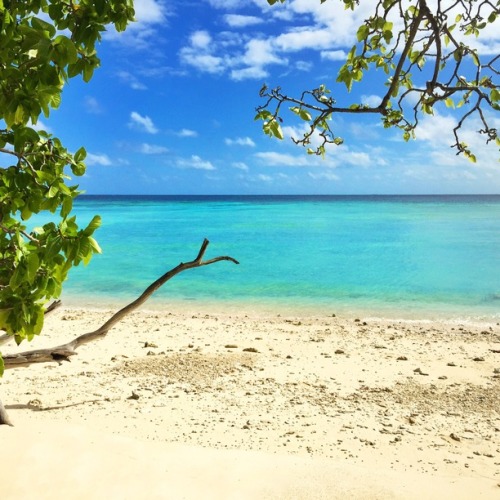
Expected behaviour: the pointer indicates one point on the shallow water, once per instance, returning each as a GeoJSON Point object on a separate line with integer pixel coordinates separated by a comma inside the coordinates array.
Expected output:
{"type": "Point", "coordinates": [432, 255]}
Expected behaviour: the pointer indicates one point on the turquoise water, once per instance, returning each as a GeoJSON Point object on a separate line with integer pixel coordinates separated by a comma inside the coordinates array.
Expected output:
{"type": "Point", "coordinates": [431, 254]}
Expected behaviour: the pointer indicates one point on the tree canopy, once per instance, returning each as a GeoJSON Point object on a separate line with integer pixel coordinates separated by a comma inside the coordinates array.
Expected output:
{"type": "Point", "coordinates": [427, 55]}
{"type": "Point", "coordinates": [42, 45]}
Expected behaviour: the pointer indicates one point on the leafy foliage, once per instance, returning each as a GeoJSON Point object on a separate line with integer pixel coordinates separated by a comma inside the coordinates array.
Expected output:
{"type": "Point", "coordinates": [421, 48]}
{"type": "Point", "coordinates": [42, 44]}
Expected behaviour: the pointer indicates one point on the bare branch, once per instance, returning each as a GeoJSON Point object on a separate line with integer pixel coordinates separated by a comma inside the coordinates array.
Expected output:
{"type": "Point", "coordinates": [65, 351]}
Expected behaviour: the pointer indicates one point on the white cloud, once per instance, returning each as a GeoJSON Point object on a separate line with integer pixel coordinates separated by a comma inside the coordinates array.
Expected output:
{"type": "Point", "coordinates": [143, 123]}
{"type": "Point", "coordinates": [240, 141]}
{"type": "Point", "coordinates": [254, 73]}
{"type": "Point", "coordinates": [240, 166]}
{"type": "Point", "coordinates": [140, 34]}
{"type": "Point", "coordinates": [305, 38]}
{"type": "Point", "coordinates": [304, 65]}
{"type": "Point", "coordinates": [92, 105]}
{"type": "Point", "coordinates": [435, 134]}
{"type": "Point", "coordinates": [371, 100]}
{"type": "Point", "coordinates": [195, 162]}
{"type": "Point", "coordinates": [264, 178]}
{"type": "Point", "coordinates": [329, 176]}
{"type": "Point", "coordinates": [200, 40]}
{"type": "Point", "coordinates": [199, 53]}
{"type": "Point", "coordinates": [355, 158]}
{"type": "Point", "coordinates": [187, 133]}
{"type": "Point", "coordinates": [260, 53]}
{"type": "Point", "coordinates": [98, 159]}
{"type": "Point", "coordinates": [131, 80]}
{"type": "Point", "coordinates": [149, 11]}
{"type": "Point", "coordinates": [333, 55]}
{"type": "Point", "coordinates": [152, 149]}
{"type": "Point", "coordinates": [239, 21]}
{"type": "Point", "coordinates": [274, 159]}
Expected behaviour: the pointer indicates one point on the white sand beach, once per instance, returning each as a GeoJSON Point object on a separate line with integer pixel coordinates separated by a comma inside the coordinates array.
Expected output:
{"type": "Point", "coordinates": [209, 404]}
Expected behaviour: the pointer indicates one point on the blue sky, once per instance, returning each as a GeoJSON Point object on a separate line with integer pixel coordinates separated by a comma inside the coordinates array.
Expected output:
{"type": "Point", "coordinates": [171, 110]}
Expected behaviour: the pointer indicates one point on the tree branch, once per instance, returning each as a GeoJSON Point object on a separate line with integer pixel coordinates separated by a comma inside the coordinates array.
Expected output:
{"type": "Point", "coordinates": [65, 351]}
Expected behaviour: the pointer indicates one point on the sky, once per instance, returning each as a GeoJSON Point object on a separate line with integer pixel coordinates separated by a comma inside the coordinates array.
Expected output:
{"type": "Point", "coordinates": [171, 109]}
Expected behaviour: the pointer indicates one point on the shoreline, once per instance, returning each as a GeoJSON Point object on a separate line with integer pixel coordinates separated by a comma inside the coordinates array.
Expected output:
{"type": "Point", "coordinates": [403, 397]}
{"type": "Point", "coordinates": [270, 307]}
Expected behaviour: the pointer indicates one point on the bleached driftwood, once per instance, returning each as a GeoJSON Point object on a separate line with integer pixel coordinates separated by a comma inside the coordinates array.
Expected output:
{"type": "Point", "coordinates": [65, 351]}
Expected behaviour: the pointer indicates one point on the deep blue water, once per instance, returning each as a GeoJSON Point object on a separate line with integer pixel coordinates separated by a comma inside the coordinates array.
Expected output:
{"type": "Point", "coordinates": [420, 254]}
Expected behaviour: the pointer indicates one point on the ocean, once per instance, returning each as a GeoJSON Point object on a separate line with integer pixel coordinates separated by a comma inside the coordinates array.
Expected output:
{"type": "Point", "coordinates": [408, 256]}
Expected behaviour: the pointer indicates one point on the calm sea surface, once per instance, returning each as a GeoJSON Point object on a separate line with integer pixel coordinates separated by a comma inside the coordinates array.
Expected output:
{"type": "Point", "coordinates": [408, 255]}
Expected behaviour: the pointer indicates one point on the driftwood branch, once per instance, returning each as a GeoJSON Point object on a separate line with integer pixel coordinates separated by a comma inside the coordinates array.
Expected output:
{"type": "Point", "coordinates": [65, 351]}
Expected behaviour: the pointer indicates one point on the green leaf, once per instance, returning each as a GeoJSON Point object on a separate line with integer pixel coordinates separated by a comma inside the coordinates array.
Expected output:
{"type": "Point", "coordinates": [16, 278]}
{"type": "Point", "coordinates": [67, 205]}
{"type": "Point", "coordinates": [305, 115]}
{"type": "Point", "coordinates": [2, 365]}
{"type": "Point", "coordinates": [41, 25]}
{"type": "Point", "coordinates": [275, 129]}
{"type": "Point", "coordinates": [450, 103]}
{"type": "Point", "coordinates": [80, 155]}
{"type": "Point", "coordinates": [32, 264]}
{"type": "Point", "coordinates": [363, 32]}
{"type": "Point", "coordinates": [53, 190]}
{"type": "Point", "coordinates": [95, 245]}
{"type": "Point", "coordinates": [78, 168]}
{"type": "Point", "coordinates": [93, 225]}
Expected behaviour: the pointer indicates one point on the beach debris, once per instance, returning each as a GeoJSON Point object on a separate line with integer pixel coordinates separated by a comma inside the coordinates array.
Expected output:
{"type": "Point", "coordinates": [339, 351]}
{"type": "Point", "coordinates": [231, 346]}
{"type": "Point", "coordinates": [420, 372]}
{"type": "Point", "coordinates": [455, 437]}
{"type": "Point", "coordinates": [250, 349]}
{"type": "Point", "coordinates": [134, 396]}
{"type": "Point", "coordinates": [402, 358]}
{"type": "Point", "coordinates": [451, 364]}
{"type": "Point", "coordinates": [478, 358]}
{"type": "Point", "coordinates": [149, 344]}
{"type": "Point", "coordinates": [35, 404]}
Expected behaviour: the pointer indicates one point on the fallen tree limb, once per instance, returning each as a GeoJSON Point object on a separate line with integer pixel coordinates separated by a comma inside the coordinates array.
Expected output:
{"type": "Point", "coordinates": [65, 351]}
